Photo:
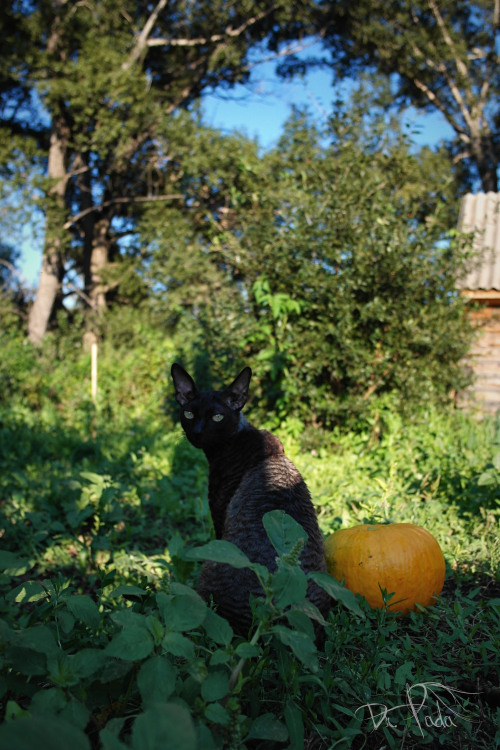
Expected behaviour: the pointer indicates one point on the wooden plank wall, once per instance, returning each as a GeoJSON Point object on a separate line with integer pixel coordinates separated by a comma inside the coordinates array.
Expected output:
{"type": "Point", "coordinates": [484, 358]}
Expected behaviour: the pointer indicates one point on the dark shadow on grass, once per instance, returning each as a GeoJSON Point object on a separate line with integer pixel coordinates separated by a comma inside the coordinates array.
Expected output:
{"type": "Point", "coordinates": [71, 503]}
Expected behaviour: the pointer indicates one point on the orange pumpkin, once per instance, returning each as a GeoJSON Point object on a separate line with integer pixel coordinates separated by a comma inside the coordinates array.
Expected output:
{"type": "Point", "coordinates": [398, 557]}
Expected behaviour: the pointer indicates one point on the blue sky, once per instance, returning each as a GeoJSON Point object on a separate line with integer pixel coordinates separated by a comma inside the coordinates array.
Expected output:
{"type": "Point", "coordinates": [260, 111]}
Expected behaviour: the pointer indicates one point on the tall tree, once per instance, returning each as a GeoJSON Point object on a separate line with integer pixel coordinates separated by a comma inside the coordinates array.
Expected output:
{"type": "Point", "coordinates": [445, 57]}
{"type": "Point", "coordinates": [108, 76]}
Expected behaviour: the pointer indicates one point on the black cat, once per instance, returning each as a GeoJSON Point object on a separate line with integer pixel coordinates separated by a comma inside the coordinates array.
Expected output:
{"type": "Point", "coordinates": [249, 475]}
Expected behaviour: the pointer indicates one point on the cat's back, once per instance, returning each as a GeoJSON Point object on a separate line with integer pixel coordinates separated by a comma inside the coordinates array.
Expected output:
{"type": "Point", "coordinates": [274, 481]}
{"type": "Point", "coordinates": [266, 477]}
{"type": "Point", "coordinates": [272, 484]}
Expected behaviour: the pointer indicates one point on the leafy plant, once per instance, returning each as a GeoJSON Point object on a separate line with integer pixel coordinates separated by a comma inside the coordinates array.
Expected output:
{"type": "Point", "coordinates": [103, 638]}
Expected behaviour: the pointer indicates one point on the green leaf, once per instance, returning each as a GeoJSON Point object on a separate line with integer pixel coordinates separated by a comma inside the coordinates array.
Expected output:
{"type": "Point", "coordinates": [267, 727]}
{"type": "Point", "coordinates": [218, 628]}
{"type": "Point", "coordinates": [50, 733]}
{"type": "Point", "coordinates": [155, 628]}
{"type": "Point", "coordinates": [283, 531]}
{"type": "Point", "coordinates": [66, 622]}
{"type": "Point", "coordinates": [126, 616]}
{"type": "Point", "coordinates": [301, 644]}
{"type": "Point", "coordinates": [60, 671]}
{"type": "Point", "coordinates": [215, 686]}
{"type": "Point", "coordinates": [115, 669]}
{"type": "Point", "coordinates": [217, 713]}
{"type": "Point", "coordinates": [295, 725]}
{"type": "Point", "coordinates": [247, 650]}
{"type": "Point", "coordinates": [14, 711]}
{"type": "Point", "coordinates": [48, 701]}
{"type": "Point", "coordinates": [37, 638]}
{"type": "Point", "coordinates": [110, 741]}
{"type": "Point", "coordinates": [12, 565]}
{"type": "Point", "coordinates": [85, 610]}
{"type": "Point", "coordinates": [131, 644]}
{"type": "Point", "coordinates": [26, 661]}
{"type": "Point", "coordinates": [289, 585]}
{"type": "Point", "coordinates": [178, 645]}
{"type": "Point", "coordinates": [338, 592]}
{"type": "Point", "coordinates": [88, 661]}
{"type": "Point", "coordinates": [30, 591]}
{"type": "Point", "coordinates": [300, 621]}
{"type": "Point", "coordinates": [93, 478]}
{"type": "Point", "coordinates": [164, 727]}
{"type": "Point", "coordinates": [129, 591]}
{"type": "Point", "coordinates": [156, 680]}
{"type": "Point", "coordinates": [488, 478]}
{"type": "Point", "coordinates": [404, 673]}
{"type": "Point", "coordinates": [183, 611]}
{"type": "Point", "coordinates": [76, 714]}
{"type": "Point", "coordinates": [309, 609]}
{"type": "Point", "coordinates": [221, 551]}
{"type": "Point", "coordinates": [76, 517]}
{"type": "Point", "coordinates": [220, 656]}
{"type": "Point", "coordinates": [204, 737]}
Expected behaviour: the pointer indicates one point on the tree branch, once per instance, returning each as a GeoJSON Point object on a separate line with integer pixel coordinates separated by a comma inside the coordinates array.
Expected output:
{"type": "Point", "coordinates": [142, 41]}
{"type": "Point", "coordinates": [436, 102]}
{"type": "Point", "coordinates": [214, 38]}
{"type": "Point", "coordinates": [465, 105]}
{"type": "Point", "coordinates": [117, 201]}
{"type": "Point", "coordinates": [79, 292]}
{"type": "Point", "coordinates": [291, 49]}
{"type": "Point", "coordinates": [459, 63]}
{"type": "Point", "coordinates": [14, 271]}
{"type": "Point", "coordinates": [454, 90]}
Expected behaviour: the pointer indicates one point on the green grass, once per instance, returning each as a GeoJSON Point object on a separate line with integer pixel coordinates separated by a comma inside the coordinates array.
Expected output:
{"type": "Point", "coordinates": [105, 644]}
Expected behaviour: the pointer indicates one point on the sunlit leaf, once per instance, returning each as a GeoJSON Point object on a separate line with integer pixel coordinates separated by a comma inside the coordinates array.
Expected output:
{"type": "Point", "coordinates": [12, 565]}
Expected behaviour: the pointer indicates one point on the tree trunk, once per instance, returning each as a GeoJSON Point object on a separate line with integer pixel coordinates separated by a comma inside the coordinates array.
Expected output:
{"type": "Point", "coordinates": [49, 286]}
{"type": "Point", "coordinates": [96, 290]}
{"type": "Point", "coordinates": [52, 271]}
{"type": "Point", "coordinates": [87, 221]}
{"type": "Point", "coordinates": [483, 154]}
{"type": "Point", "coordinates": [98, 261]}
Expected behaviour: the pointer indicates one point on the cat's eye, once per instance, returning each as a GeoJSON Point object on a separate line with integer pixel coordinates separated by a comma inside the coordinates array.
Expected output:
{"type": "Point", "coordinates": [218, 417]}
{"type": "Point", "coordinates": [188, 414]}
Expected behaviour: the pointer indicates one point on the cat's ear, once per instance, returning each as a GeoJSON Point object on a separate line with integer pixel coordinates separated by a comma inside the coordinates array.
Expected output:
{"type": "Point", "coordinates": [185, 387]}
{"type": "Point", "coordinates": [236, 394]}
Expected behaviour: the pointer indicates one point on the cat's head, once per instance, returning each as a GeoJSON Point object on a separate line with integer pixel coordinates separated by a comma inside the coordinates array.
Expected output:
{"type": "Point", "coordinates": [210, 418]}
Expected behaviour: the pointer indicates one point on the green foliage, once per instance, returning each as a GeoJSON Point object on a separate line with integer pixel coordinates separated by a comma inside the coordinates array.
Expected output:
{"type": "Point", "coordinates": [91, 93]}
{"type": "Point", "coordinates": [105, 642]}
{"type": "Point", "coordinates": [440, 56]}
{"type": "Point", "coordinates": [348, 270]}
